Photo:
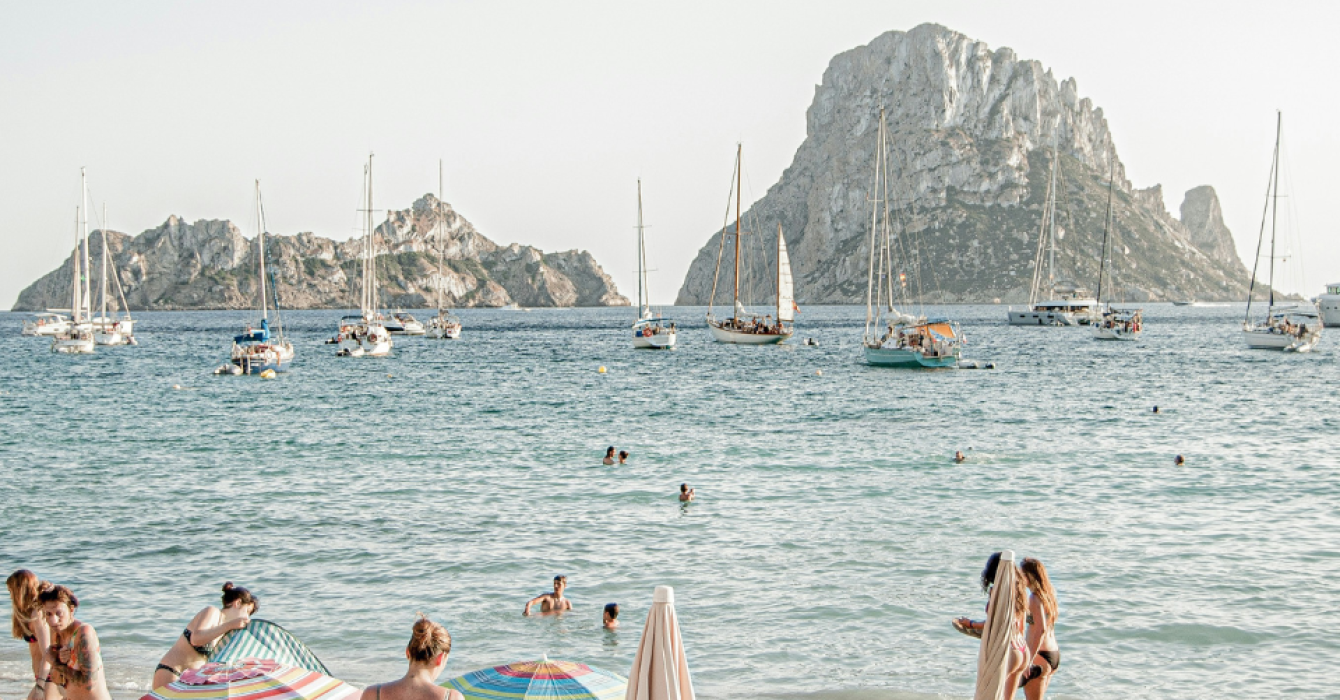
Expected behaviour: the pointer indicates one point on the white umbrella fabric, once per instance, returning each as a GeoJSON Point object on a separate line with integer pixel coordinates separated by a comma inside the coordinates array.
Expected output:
{"type": "Point", "coordinates": [660, 669]}
{"type": "Point", "coordinates": [996, 634]}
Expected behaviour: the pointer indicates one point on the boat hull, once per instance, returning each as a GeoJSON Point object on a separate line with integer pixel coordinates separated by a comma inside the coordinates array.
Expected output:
{"type": "Point", "coordinates": [903, 357]}
{"type": "Point", "coordinates": [1266, 340]}
{"type": "Point", "coordinates": [1329, 307]}
{"type": "Point", "coordinates": [1100, 333]}
{"type": "Point", "coordinates": [1044, 318]}
{"type": "Point", "coordinates": [48, 330]}
{"type": "Point", "coordinates": [724, 335]}
{"type": "Point", "coordinates": [658, 341]}
{"type": "Point", "coordinates": [72, 346]}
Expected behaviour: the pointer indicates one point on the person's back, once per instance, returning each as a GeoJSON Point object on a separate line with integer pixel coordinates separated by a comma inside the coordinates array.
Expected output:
{"type": "Point", "coordinates": [427, 651]}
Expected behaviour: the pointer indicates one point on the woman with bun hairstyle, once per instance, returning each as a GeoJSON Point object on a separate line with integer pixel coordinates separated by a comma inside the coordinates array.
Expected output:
{"type": "Point", "coordinates": [429, 645]}
{"type": "Point", "coordinates": [29, 624]}
{"type": "Point", "coordinates": [75, 654]}
{"type": "Point", "coordinates": [194, 645]}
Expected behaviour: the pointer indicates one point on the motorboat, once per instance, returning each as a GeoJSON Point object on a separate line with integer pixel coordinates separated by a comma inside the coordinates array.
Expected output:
{"type": "Point", "coordinates": [1328, 305]}
{"type": "Point", "coordinates": [46, 324]}
{"type": "Point", "coordinates": [404, 323]}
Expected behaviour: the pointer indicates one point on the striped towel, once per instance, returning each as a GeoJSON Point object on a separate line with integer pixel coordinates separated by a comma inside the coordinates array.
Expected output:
{"type": "Point", "coordinates": [263, 639]}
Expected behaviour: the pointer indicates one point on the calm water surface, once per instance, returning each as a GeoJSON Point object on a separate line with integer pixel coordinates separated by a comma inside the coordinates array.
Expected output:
{"type": "Point", "coordinates": [832, 539]}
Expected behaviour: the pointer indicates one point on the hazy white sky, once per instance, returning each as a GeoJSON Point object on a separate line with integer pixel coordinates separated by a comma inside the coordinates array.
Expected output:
{"type": "Point", "coordinates": [546, 112]}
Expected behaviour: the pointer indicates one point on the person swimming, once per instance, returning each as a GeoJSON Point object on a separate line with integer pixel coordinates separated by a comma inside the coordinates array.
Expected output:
{"type": "Point", "coordinates": [1179, 461]}
{"type": "Point", "coordinates": [551, 602]}
{"type": "Point", "coordinates": [427, 651]}
{"type": "Point", "coordinates": [685, 493]}
{"type": "Point", "coordinates": [623, 456]}
{"type": "Point", "coordinates": [959, 458]}
{"type": "Point", "coordinates": [610, 618]}
{"type": "Point", "coordinates": [192, 648]}
{"type": "Point", "coordinates": [609, 456]}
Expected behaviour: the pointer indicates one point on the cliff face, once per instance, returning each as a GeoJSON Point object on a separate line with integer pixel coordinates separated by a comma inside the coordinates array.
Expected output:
{"type": "Point", "coordinates": [970, 132]}
{"type": "Point", "coordinates": [210, 265]}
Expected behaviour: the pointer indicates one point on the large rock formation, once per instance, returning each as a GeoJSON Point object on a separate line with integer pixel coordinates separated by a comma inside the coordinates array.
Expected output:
{"type": "Point", "coordinates": [210, 265]}
{"type": "Point", "coordinates": [971, 135]}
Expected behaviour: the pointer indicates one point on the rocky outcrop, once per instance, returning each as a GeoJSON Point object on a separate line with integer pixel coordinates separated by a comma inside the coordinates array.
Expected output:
{"type": "Point", "coordinates": [211, 265]}
{"type": "Point", "coordinates": [971, 136]}
{"type": "Point", "coordinates": [1204, 222]}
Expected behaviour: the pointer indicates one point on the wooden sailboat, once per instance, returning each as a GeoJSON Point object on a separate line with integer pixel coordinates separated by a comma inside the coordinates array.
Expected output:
{"type": "Point", "coordinates": [650, 331]}
{"type": "Point", "coordinates": [77, 339]}
{"type": "Point", "coordinates": [365, 335]}
{"type": "Point", "coordinates": [1293, 328]}
{"type": "Point", "coordinates": [893, 338]}
{"type": "Point", "coordinates": [743, 327]}
{"type": "Point", "coordinates": [1113, 323]}
{"type": "Point", "coordinates": [445, 325]}
{"type": "Point", "coordinates": [259, 349]}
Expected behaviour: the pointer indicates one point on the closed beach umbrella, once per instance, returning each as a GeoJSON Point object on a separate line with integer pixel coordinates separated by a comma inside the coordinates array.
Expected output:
{"type": "Point", "coordinates": [660, 669]}
{"type": "Point", "coordinates": [550, 680]}
{"type": "Point", "coordinates": [254, 678]}
{"type": "Point", "coordinates": [996, 634]}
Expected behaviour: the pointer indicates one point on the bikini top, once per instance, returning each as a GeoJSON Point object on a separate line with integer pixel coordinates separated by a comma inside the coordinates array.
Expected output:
{"type": "Point", "coordinates": [203, 651]}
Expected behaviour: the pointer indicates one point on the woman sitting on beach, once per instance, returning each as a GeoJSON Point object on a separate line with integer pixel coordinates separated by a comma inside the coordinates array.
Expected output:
{"type": "Point", "coordinates": [1042, 611]}
{"type": "Point", "coordinates": [192, 648]}
{"type": "Point", "coordinates": [429, 645]}
{"type": "Point", "coordinates": [29, 624]}
{"type": "Point", "coordinates": [75, 655]}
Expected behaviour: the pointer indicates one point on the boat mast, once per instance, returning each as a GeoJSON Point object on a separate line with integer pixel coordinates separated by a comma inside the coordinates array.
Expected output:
{"type": "Point", "coordinates": [103, 291]}
{"type": "Point", "coordinates": [260, 239]}
{"type": "Point", "coordinates": [1107, 226]}
{"type": "Point", "coordinates": [1261, 235]}
{"type": "Point", "coordinates": [87, 277]}
{"type": "Point", "coordinates": [1051, 223]}
{"type": "Point", "coordinates": [739, 167]}
{"type": "Point", "coordinates": [1274, 207]}
{"type": "Point", "coordinates": [441, 250]}
{"type": "Point", "coordinates": [368, 265]}
{"type": "Point", "coordinates": [874, 222]}
{"type": "Point", "coordinates": [779, 274]}
{"type": "Point", "coordinates": [75, 303]}
{"type": "Point", "coordinates": [643, 305]}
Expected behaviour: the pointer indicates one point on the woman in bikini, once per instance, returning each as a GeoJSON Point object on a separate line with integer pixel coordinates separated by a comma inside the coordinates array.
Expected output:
{"type": "Point", "coordinates": [429, 645]}
{"type": "Point", "coordinates": [75, 654]}
{"type": "Point", "coordinates": [29, 624]}
{"type": "Point", "coordinates": [1042, 613]}
{"type": "Point", "coordinates": [193, 646]}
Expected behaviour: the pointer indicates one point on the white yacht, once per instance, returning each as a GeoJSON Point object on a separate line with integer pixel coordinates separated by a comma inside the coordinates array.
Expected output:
{"type": "Point", "coordinates": [257, 350]}
{"type": "Point", "coordinates": [77, 339]}
{"type": "Point", "coordinates": [404, 323]}
{"type": "Point", "coordinates": [650, 331]}
{"type": "Point", "coordinates": [108, 329]}
{"type": "Point", "coordinates": [365, 335]}
{"type": "Point", "coordinates": [1329, 305]}
{"type": "Point", "coordinates": [46, 324]}
{"type": "Point", "coordinates": [1113, 323]}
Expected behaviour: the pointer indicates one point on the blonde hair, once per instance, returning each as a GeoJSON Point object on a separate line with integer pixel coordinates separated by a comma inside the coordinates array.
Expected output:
{"type": "Point", "coordinates": [24, 589]}
{"type": "Point", "coordinates": [1035, 575]}
{"type": "Point", "coordinates": [428, 640]}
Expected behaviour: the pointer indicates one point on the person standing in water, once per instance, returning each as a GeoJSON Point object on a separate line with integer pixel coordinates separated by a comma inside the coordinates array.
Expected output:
{"type": "Point", "coordinates": [610, 617]}
{"type": "Point", "coordinates": [75, 654]}
{"type": "Point", "coordinates": [192, 648]}
{"type": "Point", "coordinates": [427, 651]}
{"type": "Point", "coordinates": [1042, 612]}
{"type": "Point", "coordinates": [609, 456]}
{"type": "Point", "coordinates": [551, 602]}
{"type": "Point", "coordinates": [685, 493]}
{"type": "Point", "coordinates": [29, 624]}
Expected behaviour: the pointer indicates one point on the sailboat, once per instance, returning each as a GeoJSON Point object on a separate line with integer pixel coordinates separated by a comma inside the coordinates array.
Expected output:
{"type": "Point", "coordinates": [894, 338]}
{"type": "Point", "coordinates": [1113, 323]}
{"type": "Point", "coordinates": [107, 329]}
{"type": "Point", "coordinates": [1070, 304]}
{"type": "Point", "coordinates": [365, 335]}
{"type": "Point", "coordinates": [1294, 328]}
{"type": "Point", "coordinates": [445, 325]}
{"type": "Point", "coordinates": [258, 349]}
{"type": "Point", "coordinates": [78, 338]}
{"type": "Point", "coordinates": [743, 327]}
{"type": "Point", "coordinates": [650, 331]}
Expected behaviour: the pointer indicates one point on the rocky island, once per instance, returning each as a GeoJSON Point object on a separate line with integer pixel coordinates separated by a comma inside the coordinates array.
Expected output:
{"type": "Point", "coordinates": [211, 265]}
{"type": "Point", "coordinates": [971, 133]}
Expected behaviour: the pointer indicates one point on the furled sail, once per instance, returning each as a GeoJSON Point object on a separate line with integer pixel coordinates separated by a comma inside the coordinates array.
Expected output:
{"type": "Point", "coordinates": [786, 294]}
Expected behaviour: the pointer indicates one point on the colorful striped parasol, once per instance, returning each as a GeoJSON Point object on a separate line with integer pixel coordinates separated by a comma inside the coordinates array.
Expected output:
{"type": "Point", "coordinates": [262, 639]}
{"type": "Point", "coordinates": [550, 680]}
{"type": "Point", "coordinates": [253, 679]}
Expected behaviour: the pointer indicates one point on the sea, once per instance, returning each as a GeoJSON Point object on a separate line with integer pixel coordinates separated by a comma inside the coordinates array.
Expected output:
{"type": "Point", "coordinates": [832, 540]}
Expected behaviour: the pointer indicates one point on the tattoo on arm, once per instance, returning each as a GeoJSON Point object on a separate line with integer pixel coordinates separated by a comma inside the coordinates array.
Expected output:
{"type": "Point", "coordinates": [84, 654]}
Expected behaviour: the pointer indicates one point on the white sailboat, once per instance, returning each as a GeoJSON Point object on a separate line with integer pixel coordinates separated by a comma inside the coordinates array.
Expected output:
{"type": "Point", "coordinates": [47, 324]}
{"type": "Point", "coordinates": [893, 338]}
{"type": "Point", "coordinates": [107, 328]}
{"type": "Point", "coordinates": [1292, 328]}
{"type": "Point", "coordinates": [743, 327]}
{"type": "Point", "coordinates": [78, 338]}
{"type": "Point", "coordinates": [365, 335]}
{"type": "Point", "coordinates": [1070, 304]}
{"type": "Point", "coordinates": [258, 349]}
{"type": "Point", "coordinates": [1113, 323]}
{"type": "Point", "coordinates": [445, 325]}
{"type": "Point", "coordinates": [650, 331]}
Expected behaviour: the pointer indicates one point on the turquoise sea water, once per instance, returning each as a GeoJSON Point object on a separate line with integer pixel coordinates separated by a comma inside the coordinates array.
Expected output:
{"type": "Point", "coordinates": [831, 542]}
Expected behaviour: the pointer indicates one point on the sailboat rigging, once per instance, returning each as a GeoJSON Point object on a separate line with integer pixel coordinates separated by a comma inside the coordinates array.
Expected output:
{"type": "Point", "coordinates": [445, 325]}
{"type": "Point", "coordinates": [259, 349]}
{"type": "Point", "coordinates": [365, 335]}
{"type": "Point", "coordinates": [77, 338]}
{"type": "Point", "coordinates": [650, 331]}
{"type": "Point", "coordinates": [1113, 323]}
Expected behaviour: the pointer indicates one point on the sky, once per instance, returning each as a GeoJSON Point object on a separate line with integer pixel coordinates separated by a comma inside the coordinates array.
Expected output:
{"type": "Point", "coordinates": [545, 114]}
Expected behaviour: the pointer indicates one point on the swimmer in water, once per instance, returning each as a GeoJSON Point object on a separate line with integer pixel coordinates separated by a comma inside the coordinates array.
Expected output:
{"type": "Point", "coordinates": [959, 458]}
{"type": "Point", "coordinates": [623, 456]}
{"type": "Point", "coordinates": [551, 602]}
{"type": "Point", "coordinates": [1156, 409]}
{"type": "Point", "coordinates": [610, 618]}
{"type": "Point", "coordinates": [609, 456]}
{"type": "Point", "coordinates": [1178, 461]}
{"type": "Point", "coordinates": [685, 493]}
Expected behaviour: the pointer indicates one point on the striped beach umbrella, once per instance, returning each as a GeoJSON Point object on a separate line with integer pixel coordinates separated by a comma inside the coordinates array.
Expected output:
{"type": "Point", "coordinates": [550, 680]}
{"type": "Point", "coordinates": [254, 679]}
{"type": "Point", "coordinates": [262, 639]}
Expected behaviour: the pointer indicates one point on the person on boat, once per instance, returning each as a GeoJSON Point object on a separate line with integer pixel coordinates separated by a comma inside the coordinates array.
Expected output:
{"type": "Point", "coordinates": [623, 456]}
{"type": "Point", "coordinates": [29, 624]}
{"type": "Point", "coordinates": [427, 651]}
{"type": "Point", "coordinates": [1041, 637]}
{"type": "Point", "coordinates": [75, 655]}
{"type": "Point", "coordinates": [192, 648]}
{"type": "Point", "coordinates": [551, 602]}
{"type": "Point", "coordinates": [610, 617]}
{"type": "Point", "coordinates": [685, 493]}
{"type": "Point", "coordinates": [609, 456]}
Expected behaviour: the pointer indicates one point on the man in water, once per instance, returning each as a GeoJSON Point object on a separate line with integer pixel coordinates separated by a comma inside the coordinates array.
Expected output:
{"type": "Point", "coordinates": [611, 616]}
{"type": "Point", "coordinates": [551, 602]}
{"type": "Point", "coordinates": [685, 493]}
{"type": "Point", "coordinates": [958, 457]}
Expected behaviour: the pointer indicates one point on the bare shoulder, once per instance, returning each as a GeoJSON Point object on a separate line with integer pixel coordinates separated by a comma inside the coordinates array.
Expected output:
{"type": "Point", "coordinates": [453, 694]}
{"type": "Point", "coordinates": [205, 616]}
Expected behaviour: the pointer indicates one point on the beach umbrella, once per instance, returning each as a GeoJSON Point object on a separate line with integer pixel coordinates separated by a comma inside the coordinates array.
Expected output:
{"type": "Point", "coordinates": [254, 678]}
{"type": "Point", "coordinates": [550, 680]}
{"type": "Point", "coordinates": [995, 649]}
{"type": "Point", "coordinates": [660, 668]}
{"type": "Point", "coordinates": [262, 639]}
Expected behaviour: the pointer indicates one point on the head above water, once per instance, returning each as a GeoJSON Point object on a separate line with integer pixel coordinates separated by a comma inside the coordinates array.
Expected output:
{"type": "Point", "coordinates": [427, 641]}
{"type": "Point", "coordinates": [238, 595]}
{"type": "Point", "coordinates": [683, 488]}
{"type": "Point", "coordinates": [560, 582]}
{"type": "Point", "coordinates": [612, 610]}
{"type": "Point", "coordinates": [623, 454]}
{"type": "Point", "coordinates": [609, 452]}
